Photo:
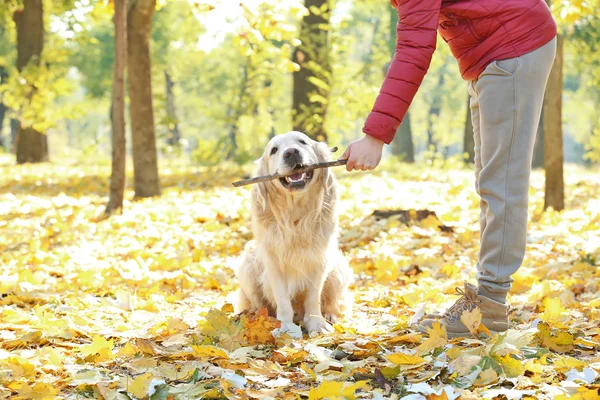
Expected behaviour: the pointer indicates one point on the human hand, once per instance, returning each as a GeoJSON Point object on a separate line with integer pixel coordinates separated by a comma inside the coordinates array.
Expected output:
{"type": "Point", "coordinates": [363, 154]}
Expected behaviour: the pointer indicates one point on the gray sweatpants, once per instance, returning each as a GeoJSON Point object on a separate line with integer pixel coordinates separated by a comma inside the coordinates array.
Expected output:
{"type": "Point", "coordinates": [506, 103]}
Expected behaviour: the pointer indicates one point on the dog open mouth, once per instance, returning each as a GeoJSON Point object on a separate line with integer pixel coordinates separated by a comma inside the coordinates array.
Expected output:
{"type": "Point", "coordinates": [297, 181]}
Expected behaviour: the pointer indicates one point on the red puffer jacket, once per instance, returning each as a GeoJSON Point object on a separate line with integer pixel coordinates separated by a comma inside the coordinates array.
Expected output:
{"type": "Point", "coordinates": [477, 31]}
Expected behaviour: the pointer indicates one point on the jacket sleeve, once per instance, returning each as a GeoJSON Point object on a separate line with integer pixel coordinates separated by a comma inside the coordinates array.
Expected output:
{"type": "Point", "coordinates": [416, 39]}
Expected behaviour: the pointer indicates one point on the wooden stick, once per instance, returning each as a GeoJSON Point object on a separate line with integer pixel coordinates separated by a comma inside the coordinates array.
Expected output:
{"type": "Point", "coordinates": [265, 178]}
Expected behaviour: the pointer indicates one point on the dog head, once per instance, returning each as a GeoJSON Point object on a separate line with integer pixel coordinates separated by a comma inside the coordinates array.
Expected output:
{"type": "Point", "coordinates": [290, 151]}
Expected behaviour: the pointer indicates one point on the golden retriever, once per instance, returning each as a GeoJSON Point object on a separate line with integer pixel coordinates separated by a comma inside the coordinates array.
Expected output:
{"type": "Point", "coordinates": [294, 266]}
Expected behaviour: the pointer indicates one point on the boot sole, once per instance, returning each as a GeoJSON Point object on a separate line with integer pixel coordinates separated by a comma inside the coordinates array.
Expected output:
{"type": "Point", "coordinates": [455, 335]}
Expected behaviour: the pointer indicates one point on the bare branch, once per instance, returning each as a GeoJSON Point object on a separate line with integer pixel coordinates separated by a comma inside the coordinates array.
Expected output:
{"type": "Point", "coordinates": [266, 178]}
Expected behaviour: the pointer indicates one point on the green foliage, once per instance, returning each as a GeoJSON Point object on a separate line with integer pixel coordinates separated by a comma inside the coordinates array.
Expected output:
{"type": "Point", "coordinates": [35, 92]}
{"type": "Point", "coordinates": [93, 56]}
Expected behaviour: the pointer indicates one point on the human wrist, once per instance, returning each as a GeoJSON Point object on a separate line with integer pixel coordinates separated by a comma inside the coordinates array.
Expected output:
{"type": "Point", "coordinates": [374, 140]}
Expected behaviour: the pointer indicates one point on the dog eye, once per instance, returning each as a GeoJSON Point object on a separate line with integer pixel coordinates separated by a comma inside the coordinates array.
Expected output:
{"type": "Point", "coordinates": [302, 141]}
{"type": "Point", "coordinates": [273, 150]}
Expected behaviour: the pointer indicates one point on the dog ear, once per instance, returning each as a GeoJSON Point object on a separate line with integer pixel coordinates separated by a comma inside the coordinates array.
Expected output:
{"type": "Point", "coordinates": [323, 155]}
{"type": "Point", "coordinates": [259, 191]}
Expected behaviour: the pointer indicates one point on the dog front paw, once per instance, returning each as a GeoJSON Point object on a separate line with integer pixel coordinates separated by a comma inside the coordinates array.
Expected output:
{"type": "Point", "coordinates": [331, 318]}
{"type": "Point", "coordinates": [318, 325]}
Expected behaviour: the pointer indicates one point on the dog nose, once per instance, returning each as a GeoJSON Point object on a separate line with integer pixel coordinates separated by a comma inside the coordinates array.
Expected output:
{"type": "Point", "coordinates": [291, 152]}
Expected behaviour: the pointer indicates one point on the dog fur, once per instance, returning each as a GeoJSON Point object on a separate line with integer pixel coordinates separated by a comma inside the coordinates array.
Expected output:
{"type": "Point", "coordinates": [294, 266]}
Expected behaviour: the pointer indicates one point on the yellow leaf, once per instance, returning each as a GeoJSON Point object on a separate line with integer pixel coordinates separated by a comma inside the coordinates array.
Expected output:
{"type": "Point", "coordinates": [327, 390]}
{"type": "Point", "coordinates": [335, 390]}
{"type": "Point", "coordinates": [437, 338]}
{"type": "Point", "coordinates": [554, 311]}
{"type": "Point", "coordinates": [558, 341]}
{"type": "Point", "coordinates": [140, 385]}
{"type": "Point", "coordinates": [349, 391]}
{"type": "Point", "coordinates": [472, 320]}
{"type": "Point", "coordinates": [563, 364]}
{"type": "Point", "coordinates": [100, 348]}
{"type": "Point", "coordinates": [20, 367]}
{"type": "Point", "coordinates": [24, 340]}
{"type": "Point", "coordinates": [128, 350]}
{"type": "Point", "coordinates": [409, 338]}
{"type": "Point", "coordinates": [454, 352]}
{"type": "Point", "coordinates": [309, 371]}
{"type": "Point", "coordinates": [583, 393]}
{"type": "Point", "coordinates": [511, 366]}
{"type": "Point", "coordinates": [147, 346]}
{"type": "Point", "coordinates": [487, 377]}
{"type": "Point", "coordinates": [430, 222]}
{"type": "Point", "coordinates": [210, 352]}
{"type": "Point", "coordinates": [39, 391]}
{"type": "Point", "coordinates": [405, 359]}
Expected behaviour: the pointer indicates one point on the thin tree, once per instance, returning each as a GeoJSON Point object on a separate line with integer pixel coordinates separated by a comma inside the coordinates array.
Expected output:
{"type": "Point", "coordinates": [553, 136]}
{"type": "Point", "coordinates": [312, 83]}
{"type": "Point", "coordinates": [538, 148]}
{"type": "Point", "coordinates": [117, 177]}
{"type": "Point", "coordinates": [31, 145]}
{"type": "Point", "coordinates": [469, 139]}
{"type": "Point", "coordinates": [403, 145]}
{"type": "Point", "coordinates": [174, 136]}
{"type": "Point", "coordinates": [145, 160]}
{"type": "Point", "coordinates": [3, 109]}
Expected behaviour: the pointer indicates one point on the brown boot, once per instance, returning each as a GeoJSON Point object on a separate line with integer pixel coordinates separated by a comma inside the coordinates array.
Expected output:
{"type": "Point", "coordinates": [494, 315]}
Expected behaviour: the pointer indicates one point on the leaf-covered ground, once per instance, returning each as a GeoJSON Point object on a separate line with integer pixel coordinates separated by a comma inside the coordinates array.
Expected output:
{"type": "Point", "coordinates": [136, 306]}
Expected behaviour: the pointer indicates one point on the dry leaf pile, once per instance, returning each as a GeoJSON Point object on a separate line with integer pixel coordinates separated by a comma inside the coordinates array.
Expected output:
{"type": "Point", "coordinates": [137, 306]}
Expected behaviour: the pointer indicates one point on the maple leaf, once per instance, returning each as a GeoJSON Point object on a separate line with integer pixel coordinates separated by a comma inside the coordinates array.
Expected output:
{"type": "Point", "coordinates": [437, 338]}
{"type": "Point", "coordinates": [143, 385]}
{"type": "Point", "coordinates": [24, 340]}
{"type": "Point", "coordinates": [510, 366]}
{"type": "Point", "coordinates": [405, 359]}
{"type": "Point", "coordinates": [558, 341]}
{"type": "Point", "coordinates": [554, 311]}
{"type": "Point", "coordinates": [336, 390]}
{"type": "Point", "coordinates": [218, 326]}
{"type": "Point", "coordinates": [258, 327]}
{"type": "Point", "coordinates": [20, 367]}
{"type": "Point", "coordinates": [37, 391]}
{"type": "Point", "coordinates": [472, 319]}
{"type": "Point", "coordinates": [209, 352]}
{"type": "Point", "coordinates": [100, 348]}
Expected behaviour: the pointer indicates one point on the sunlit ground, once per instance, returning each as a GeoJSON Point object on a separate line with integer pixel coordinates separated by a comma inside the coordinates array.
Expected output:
{"type": "Point", "coordinates": [97, 308]}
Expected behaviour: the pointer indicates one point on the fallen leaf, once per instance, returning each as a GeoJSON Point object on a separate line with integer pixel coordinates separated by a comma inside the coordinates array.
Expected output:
{"type": "Point", "coordinates": [437, 338]}
{"type": "Point", "coordinates": [405, 359]}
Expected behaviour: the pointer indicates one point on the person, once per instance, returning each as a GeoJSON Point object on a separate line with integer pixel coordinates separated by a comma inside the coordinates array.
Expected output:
{"type": "Point", "coordinates": [505, 50]}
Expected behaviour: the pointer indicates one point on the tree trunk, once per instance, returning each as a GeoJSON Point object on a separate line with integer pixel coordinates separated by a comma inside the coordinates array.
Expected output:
{"type": "Point", "coordinates": [435, 109]}
{"type": "Point", "coordinates": [469, 140]}
{"type": "Point", "coordinates": [145, 162]}
{"type": "Point", "coordinates": [553, 138]}
{"type": "Point", "coordinates": [31, 145]}
{"type": "Point", "coordinates": [312, 82]}
{"type": "Point", "coordinates": [14, 132]}
{"type": "Point", "coordinates": [235, 112]}
{"type": "Point", "coordinates": [2, 113]}
{"type": "Point", "coordinates": [174, 133]}
{"type": "Point", "coordinates": [538, 149]}
{"type": "Point", "coordinates": [3, 109]}
{"type": "Point", "coordinates": [117, 176]}
{"type": "Point", "coordinates": [403, 145]}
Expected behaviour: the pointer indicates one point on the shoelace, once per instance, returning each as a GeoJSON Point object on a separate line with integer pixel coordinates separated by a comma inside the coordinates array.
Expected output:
{"type": "Point", "coordinates": [467, 302]}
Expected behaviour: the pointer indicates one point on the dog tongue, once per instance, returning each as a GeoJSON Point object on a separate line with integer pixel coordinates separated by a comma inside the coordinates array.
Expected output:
{"type": "Point", "coordinates": [296, 177]}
